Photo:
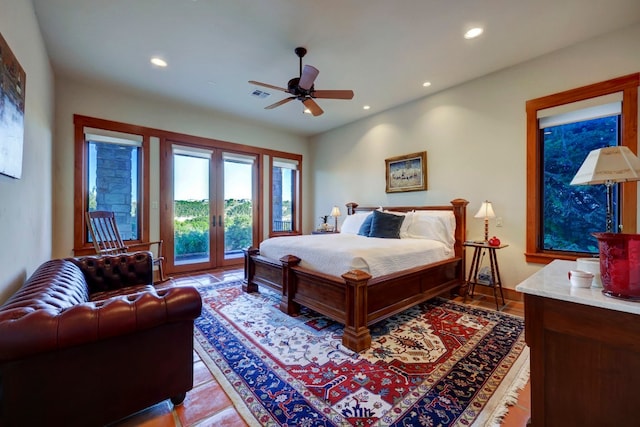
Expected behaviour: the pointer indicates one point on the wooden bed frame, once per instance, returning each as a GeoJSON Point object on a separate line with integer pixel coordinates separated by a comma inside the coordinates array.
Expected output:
{"type": "Point", "coordinates": [356, 299]}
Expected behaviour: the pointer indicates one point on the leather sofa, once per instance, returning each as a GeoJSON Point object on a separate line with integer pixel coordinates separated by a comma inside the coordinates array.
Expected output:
{"type": "Point", "coordinates": [88, 341]}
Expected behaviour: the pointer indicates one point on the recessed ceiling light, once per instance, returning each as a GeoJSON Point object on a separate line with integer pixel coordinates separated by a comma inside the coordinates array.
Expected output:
{"type": "Point", "coordinates": [158, 61]}
{"type": "Point", "coordinates": [426, 84]}
{"type": "Point", "coordinates": [366, 107]}
{"type": "Point", "coordinates": [473, 33]}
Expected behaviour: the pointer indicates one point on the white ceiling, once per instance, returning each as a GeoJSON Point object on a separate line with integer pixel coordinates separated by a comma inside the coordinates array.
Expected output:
{"type": "Point", "coordinates": [382, 49]}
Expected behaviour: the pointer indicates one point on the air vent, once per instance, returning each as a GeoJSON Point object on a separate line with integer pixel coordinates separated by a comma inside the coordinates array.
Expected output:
{"type": "Point", "coordinates": [259, 93]}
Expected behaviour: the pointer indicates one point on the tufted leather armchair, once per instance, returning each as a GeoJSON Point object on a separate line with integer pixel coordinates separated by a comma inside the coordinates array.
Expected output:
{"type": "Point", "coordinates": [90, 340]}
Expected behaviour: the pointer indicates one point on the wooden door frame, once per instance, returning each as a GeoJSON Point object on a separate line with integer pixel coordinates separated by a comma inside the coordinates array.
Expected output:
{"type": "Point", "coordinates": [166, 198]}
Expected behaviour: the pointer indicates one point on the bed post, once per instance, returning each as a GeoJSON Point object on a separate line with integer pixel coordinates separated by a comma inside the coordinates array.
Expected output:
{"type": "Point", "coordinates": [287, 304]}
{"type": "Point", "coordinates": [356, 335]}
{"type": "Point", "coordinates": [460, 212]}
{"type": "Point", "coordinates": [351, 208]}
{"type": "Point", "coordinates": [249, 270]}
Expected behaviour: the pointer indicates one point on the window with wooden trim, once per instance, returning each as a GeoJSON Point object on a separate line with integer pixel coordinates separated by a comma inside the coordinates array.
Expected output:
{"type": "Point", "coordinates": [561, 130]}
{"type": "Point", "coordinates": [109, 176]}
{"type": "Point", "coordinates": [284, 210]}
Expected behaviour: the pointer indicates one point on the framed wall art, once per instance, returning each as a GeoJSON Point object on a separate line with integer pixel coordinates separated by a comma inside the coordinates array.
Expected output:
{"type": "Point", "coordinates": [407, 173]}
{"type": "Point", "coordinates": [12, 90]}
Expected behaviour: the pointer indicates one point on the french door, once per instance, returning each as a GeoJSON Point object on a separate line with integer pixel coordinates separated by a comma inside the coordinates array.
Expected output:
{"type": "Point", "coordinates": [210, 211]}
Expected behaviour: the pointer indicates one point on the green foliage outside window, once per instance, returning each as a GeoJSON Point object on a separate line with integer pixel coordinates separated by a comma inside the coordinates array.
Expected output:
{"type": "Point", "coordinates": [192, 232]}
{"type": "Point", "coordinates": [572, 213]}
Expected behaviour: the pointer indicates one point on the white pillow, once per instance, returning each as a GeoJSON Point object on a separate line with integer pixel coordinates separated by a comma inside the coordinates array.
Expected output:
{"type": "Point", "coordinates": [352, 223]}
{"type": "Point", "coordinates": [434, 225]}
{"type": "Point", "coordinates": [406, 223]}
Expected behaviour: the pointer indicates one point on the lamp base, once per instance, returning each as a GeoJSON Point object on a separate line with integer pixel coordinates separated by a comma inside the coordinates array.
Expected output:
{"type": "Point", "coordinates": [620, 265]}
{"type": "Point", "coordinates": [486, 230]}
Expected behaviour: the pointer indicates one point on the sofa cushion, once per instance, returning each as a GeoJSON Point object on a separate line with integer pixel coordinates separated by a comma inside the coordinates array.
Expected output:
{"type": "Point", "coordinates": [130, 290]}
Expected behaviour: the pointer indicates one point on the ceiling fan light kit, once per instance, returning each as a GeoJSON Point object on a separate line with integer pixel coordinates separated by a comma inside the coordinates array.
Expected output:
{"type": "Point", "coordinates": [302, 88]}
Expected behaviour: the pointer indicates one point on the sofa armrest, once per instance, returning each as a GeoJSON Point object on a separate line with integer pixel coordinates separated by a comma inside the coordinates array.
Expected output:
{"type": "Point", "coordinates": [29, 333]}
{"type": "Point", "coordinates": [108, 272]}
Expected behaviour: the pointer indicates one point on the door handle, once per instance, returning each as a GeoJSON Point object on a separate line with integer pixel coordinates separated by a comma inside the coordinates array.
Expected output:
{"type": "Point", "coordinates": [220, 220]}
{"type": "Point", "coordinates": [213, 223]}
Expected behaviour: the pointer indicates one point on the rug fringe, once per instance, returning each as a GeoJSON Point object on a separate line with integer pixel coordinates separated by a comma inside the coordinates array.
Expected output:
{"type": "Point", "coordinates": [510, 397]}
{"type": "Point", "coordinates": [235, 398]}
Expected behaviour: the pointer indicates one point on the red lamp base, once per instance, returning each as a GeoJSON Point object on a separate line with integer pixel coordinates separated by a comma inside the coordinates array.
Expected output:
{"type": "Point", "coordinates": [620, 265]}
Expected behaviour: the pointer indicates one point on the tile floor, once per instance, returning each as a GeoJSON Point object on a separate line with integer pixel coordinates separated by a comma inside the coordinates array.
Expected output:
{"type": "Point", "coordinates": [208, 405]}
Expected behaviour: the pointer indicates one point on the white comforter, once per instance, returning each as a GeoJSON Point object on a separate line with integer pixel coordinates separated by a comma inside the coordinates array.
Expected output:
{"type": "Point", "coordinates": [335, 254]}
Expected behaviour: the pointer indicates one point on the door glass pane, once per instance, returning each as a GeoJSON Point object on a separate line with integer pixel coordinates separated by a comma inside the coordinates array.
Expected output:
{"type": "Point", "coordinates": [191, 209]}
{"type": "Point", "coordinates": [238, 206]}
{"type": "Point", "coordinates": [113, 184]}
{"type": "Point", "coordinates": [282, 193]}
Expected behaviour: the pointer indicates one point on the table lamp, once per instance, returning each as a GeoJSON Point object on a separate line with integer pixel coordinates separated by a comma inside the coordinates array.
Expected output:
{"type": "Point", "coordinates": [608, 166]}
{"type": "Point", "coordinates": [486, 212]}
{"type": "Point", "coordinates": [619, 263]}
{"type": "Point", "coordinates": [335, 213]}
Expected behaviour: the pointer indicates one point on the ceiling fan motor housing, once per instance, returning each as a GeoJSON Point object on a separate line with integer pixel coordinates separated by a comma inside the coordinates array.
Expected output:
{"type": "Point", "coordinates": [293, 87]}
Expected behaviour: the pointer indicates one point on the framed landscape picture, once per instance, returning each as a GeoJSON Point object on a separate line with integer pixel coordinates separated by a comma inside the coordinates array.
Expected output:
{"type": "Point", "coordinates": [407, 173]}
{"type": "Point", "coordinates": [12, 90]}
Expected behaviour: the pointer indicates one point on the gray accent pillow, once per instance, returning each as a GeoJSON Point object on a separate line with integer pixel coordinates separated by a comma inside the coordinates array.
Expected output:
{"type": "Point", "coordinates": [385, 225]}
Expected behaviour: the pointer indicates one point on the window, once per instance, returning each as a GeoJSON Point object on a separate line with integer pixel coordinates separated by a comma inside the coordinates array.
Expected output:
{"type": "Point", "coordinates": [561, 130]}
{"type": "Point", "coordinates": [570, 214]}
{"type": "Point", "coordinates": [285, 216]}
{"type": "Point", "coordinates": [109, 175]}
{"type": "Point", "coordinates": [113, 166]}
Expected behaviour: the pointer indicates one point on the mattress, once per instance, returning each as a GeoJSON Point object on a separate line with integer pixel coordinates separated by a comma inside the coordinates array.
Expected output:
{"type": "Point", "coordinates": [335, 254]}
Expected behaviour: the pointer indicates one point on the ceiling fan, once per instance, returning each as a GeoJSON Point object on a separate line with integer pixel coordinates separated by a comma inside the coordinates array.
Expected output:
{"type": "Point", "coordinates": [302, 89]}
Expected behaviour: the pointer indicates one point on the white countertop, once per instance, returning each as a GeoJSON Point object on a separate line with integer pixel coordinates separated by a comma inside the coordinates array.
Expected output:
{"type": "Point", "coordinates": [552, 282]}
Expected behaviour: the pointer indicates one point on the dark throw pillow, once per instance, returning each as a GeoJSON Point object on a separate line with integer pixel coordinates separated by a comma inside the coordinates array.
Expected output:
{"type": "Point", "coordinates": [386, 225]}
{"type": "Point", "coordinates": [365, 228]}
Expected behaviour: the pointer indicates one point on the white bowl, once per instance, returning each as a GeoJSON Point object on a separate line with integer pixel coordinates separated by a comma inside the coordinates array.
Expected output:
{"type": "Point", "coordinates": [580, 279]}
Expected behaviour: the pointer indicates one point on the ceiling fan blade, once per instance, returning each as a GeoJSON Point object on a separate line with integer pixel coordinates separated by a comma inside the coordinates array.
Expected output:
{"type": "Point", "coordinates": [253, 82]}
{"type": "Point", "coordinates": [308, 76]}
{"type": "Point", "coordinates": [312, 106]}
{"type": "Point", "coordinates": [333, 94]}
{"type": "Point", "coordinates": [279, 103]}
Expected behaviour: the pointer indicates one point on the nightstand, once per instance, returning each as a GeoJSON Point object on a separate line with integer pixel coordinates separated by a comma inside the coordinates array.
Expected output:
{"type": "Point", "coordinates": [494, 282]}
{"type": "Point", "coordinates": [322, 232]}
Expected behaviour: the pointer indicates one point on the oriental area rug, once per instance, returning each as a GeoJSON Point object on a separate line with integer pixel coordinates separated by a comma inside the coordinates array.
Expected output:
{"type": "Point", "coordinates": [440, 363]}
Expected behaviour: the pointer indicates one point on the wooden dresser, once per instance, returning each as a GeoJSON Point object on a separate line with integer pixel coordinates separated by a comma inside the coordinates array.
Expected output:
{"type": "Point", "coordinates": [585, 352]}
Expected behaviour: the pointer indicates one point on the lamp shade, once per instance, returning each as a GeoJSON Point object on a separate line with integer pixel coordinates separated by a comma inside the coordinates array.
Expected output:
{"type": "Point", "coordinates": [609, 164]}
{"type": "Point", "coordinates": [485, 211]}
{"type": "Point", "coordinates": [335, 211]}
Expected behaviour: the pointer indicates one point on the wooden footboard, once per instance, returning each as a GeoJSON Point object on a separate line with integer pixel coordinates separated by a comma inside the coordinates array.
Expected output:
{"type": "Point", "coordinates": [355, 299]}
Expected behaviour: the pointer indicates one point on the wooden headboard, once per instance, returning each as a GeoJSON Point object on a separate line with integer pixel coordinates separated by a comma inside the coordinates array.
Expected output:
{"type": "Point", "coordinates": [458, 207]}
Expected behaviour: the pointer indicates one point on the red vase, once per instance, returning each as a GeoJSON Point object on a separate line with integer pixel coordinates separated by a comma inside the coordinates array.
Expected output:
{"type": "Point", "coordinates": [620, 264]}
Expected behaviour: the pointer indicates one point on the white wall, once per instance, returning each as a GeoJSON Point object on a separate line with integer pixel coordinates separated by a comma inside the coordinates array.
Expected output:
{"type": "Point", "coordinates": [475, 138]}
{"type": "Point", "coordinates": [25, 204]}
{"type": "Point", "coordinates": [94, 100]}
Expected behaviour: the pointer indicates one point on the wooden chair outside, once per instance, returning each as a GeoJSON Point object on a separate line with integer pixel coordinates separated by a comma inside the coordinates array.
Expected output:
{"type": "Point", "coordinates": [107, 241]}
